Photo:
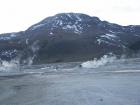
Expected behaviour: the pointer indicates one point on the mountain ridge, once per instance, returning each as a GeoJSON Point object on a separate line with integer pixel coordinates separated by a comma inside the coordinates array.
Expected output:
{"type": "Point", "coordinates": [69, 37]}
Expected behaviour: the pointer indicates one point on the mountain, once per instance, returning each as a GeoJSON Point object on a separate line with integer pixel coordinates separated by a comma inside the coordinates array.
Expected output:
{"type": "Point", "coordinates": [69, 37]}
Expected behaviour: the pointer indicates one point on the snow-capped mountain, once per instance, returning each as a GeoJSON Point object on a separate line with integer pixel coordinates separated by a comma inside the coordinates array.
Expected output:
{"type": "Point", "coordinates": [70, 37]}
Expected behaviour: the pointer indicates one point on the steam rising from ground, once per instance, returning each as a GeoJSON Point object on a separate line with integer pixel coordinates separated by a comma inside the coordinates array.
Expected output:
{"type": "Point", "coordinates": [15, 64]}
{"type": "Point", "coordinates": [29, 54]}
{"type": "Point", "coordinates": [8, 66]}
{"type": "Point", "coordinates": [99, 62]}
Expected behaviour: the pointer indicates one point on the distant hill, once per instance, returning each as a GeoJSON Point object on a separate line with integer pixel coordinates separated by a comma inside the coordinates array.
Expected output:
{"type": "Point", "coordinates": [70, 37]}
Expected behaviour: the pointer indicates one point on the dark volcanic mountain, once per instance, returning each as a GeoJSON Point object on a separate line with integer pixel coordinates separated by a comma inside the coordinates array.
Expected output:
{"type": "Point", "coordinates": [69, 37]}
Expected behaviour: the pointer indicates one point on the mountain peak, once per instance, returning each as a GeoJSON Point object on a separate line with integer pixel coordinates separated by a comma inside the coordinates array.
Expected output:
{"type": "Point", "coordinates": [70, 21]}
{"type": "Point", "coordinates": [77, 16]}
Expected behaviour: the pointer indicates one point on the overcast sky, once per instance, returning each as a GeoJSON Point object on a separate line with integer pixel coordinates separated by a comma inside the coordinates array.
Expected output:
{"type": "Point", "coordinates": [18, 15]}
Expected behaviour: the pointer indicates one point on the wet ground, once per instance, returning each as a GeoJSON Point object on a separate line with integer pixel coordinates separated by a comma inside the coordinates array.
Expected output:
{"type": "Point", "coordinates": [107, 85]}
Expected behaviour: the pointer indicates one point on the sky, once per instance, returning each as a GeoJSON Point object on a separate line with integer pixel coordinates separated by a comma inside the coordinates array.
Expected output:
{"type": "Point", "coordinates": [18, 15]}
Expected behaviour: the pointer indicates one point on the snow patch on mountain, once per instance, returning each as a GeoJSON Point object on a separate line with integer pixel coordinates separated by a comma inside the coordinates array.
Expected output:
{"type": "Point", "coordinates": [109, 39]}
{"type": "Point", "coordinates": [75, 28]}
{"type": "Point", "coordinates": [5, 38]}
{"type": "Point", "coordinates": [51, 33]}
{"type": "Point", "coordinates": [13, 35]}
{"type": "Point", "coordinates": [8, 53]}
{"type": "Point", "coordinates": [109, 36]}
{"type": "Point", "coordinates": [37, 26]}
{"type": "Point", "coordinates": [101, 41]}
{"type": "Point", "coordinates": [9, 37]}
{"type": "Point", "coordinates": [76, 17]}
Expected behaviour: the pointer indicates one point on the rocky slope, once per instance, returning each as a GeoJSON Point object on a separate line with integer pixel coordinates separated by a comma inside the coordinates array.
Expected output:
{"type": "Point", "coordinates": [69, 37]}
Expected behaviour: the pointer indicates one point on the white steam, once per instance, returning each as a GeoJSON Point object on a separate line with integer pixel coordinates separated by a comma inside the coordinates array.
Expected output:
{"type": "Point", "coordinates": [14, 65]}
{"type": "Point", "coordinates": [100, 62]}
{"type": "Point", "coordinates": [10, 66]}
